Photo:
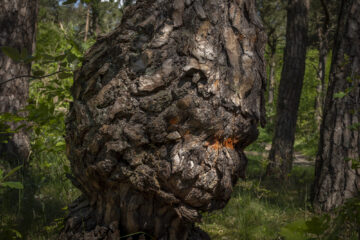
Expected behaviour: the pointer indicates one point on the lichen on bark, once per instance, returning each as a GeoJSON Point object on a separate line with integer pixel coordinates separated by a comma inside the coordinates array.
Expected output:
{"type": "Point", "coordinates": [163, 108]}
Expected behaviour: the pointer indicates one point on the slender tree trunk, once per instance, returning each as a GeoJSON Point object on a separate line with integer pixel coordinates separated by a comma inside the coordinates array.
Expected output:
{"type": "Point", "coordinates": [17, 24]}
{"type": "Point", "coordinates": [339, 145]}
{"type": "Point", "coordinates": [87, 23]}
{"type": "Point", "coordinates": [323, 33]}
{"type": "Point", "coordinates": [94, 26]}
{"type": "Point", "coordinates": [163, 109]}
{"type": "Point", "coordinates": [281, 153]}
{"type": "Point", "coordinates": [272, 82]}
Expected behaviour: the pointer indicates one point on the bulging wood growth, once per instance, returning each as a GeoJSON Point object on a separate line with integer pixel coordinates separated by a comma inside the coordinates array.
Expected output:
{"type": "Point", "coordinates": [163, 108]}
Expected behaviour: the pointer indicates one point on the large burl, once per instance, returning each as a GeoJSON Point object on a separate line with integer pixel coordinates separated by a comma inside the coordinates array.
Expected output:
{"type": "Point", "coordinates": [163, 108]}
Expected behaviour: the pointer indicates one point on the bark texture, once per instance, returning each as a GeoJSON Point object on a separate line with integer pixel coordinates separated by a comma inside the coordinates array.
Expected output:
{"type": "Point", "coordinates": [17, 30]}
{"type": "Point", "coordinates": [292, 76]}
{"type": "Point", "coordinates": [163, 108]}
{"type": "Point", "coordinates": [323, 35]}
{"type": "Point", "coordinates": [339, 144]}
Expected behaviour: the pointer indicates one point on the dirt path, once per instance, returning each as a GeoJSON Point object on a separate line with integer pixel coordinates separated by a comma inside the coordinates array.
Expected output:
{"type": "Point", "coordinates": [300, 159]}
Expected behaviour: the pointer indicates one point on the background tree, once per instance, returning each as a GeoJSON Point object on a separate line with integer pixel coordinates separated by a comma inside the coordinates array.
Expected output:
{"type": "Point", "coordinates": [336, 176]}
{"type": "Point", "coordinates": [163, 109]}
{"type": "Point", "coordinates": [275, 25]}
{"type": "Point", "coordinates": [323, 19]}
{"type": "Point", "coordinates": [17, 24]}
{"type": "Point", "coordinates": [292, 75]}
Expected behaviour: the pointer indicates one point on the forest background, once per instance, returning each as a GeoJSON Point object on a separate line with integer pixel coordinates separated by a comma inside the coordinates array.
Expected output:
{"type": "Point", "coordinates": [34, 197]}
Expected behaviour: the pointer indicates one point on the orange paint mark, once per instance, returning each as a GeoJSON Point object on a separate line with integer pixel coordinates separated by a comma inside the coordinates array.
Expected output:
{"type": "Point", "coordinates": [227, 143]}
{"type": "Point", "coordinates": [216, 145]}
{"type": "Point", "coordinates": [230, 142]}
{"type": "Point", "coordinates": [174, 120]}
{"type": "Point", "coordinates": [216, 83]}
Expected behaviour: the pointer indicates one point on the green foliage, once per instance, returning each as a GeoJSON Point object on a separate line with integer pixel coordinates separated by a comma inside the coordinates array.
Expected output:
{"type": "Point", "coordinates": [342, 223]}
{"type": "Point", "coordinates": [10, 184]}
{"type": "Point", "coordinates": [260, 209]}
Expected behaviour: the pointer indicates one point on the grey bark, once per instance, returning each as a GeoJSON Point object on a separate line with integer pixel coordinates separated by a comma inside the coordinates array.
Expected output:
{"type": "Point", "coordinates": [292, 76]}
{"type": "Point", "coordinates": [17, 30]}
{"type": "Point", "coordinates": [163, 109]}
{"type": "Point", "coordinates": [323, 34]}
{"type": "Point", "coordinates": [339, 145]}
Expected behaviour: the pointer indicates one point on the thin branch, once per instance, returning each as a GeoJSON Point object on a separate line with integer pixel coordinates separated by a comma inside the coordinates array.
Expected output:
{"type": "Point", "coordinates": [30, 76]}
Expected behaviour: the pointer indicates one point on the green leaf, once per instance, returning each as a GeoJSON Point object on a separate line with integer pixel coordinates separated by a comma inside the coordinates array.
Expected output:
{"type": "Point", "coordinates": [60, 144]}
{"type": "Point", "coordinates": [67, 169]}
{"type": "Point", "coordinates": [24, 53]}
{"type": "Point", "coordinates": [317, 225]}
{"type": "Point", "coordinates": [30, 59]}
{"type": "Point", "coordinates": [69, 2]}
{"type": "Point", "coordinates": [60, 57]}
{"type": "Point", "coordinates": [17, 233]}
{"type": "Point", "coordinates": [295, 230]}
{"type": "Point", "coordinates": [64, 75]}
{"type": "Point", "coordinates": [38, 73]}
{"type": "Point", "coordinates": [12, 53]}
{"type": "Point", "coordinates": [14, 185]}
{"type": "Point", "coordinates": [339, 95]}
{"type": "Point", "coordinates": [12, 171]}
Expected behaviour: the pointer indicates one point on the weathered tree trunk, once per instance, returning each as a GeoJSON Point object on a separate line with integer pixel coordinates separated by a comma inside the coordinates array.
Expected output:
{"type": "Point", "coordinates": [339, 146]}
{"type": "Point", "coordinates": [163, 108]}
{"type": "Point", "coordinates": [323, 34]}
{"type": "Point", "coordinates": [292, 75]}
{"type": "Point", "coordinates": [17, 24]}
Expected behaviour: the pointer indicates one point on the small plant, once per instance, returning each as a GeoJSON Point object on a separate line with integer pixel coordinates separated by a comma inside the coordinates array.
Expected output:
{"type": "Point", "coordinates": [8, 231]}
{"type": "Point", "coordinates": [10, 184]}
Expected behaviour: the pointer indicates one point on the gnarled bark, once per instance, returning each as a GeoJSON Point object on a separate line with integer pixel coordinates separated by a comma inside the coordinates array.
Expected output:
{"type": "Point", "coordinates": [339, 146]}
{"type": "Point", "coordinates": [163, 108]}
{"type": "Point", "coordinates": [17, 24]}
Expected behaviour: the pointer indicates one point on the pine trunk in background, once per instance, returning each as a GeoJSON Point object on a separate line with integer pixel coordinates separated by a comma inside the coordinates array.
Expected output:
{"type": "Point", "coordinates": [339, 146]}
{"type": "Point", "coordinates": [323, 34]}
{"type": "Point", "coordinates": [292, 76]}
{"type": "Point", "coordinates": [87, 23]}
{"type": "Point", "coordinates": [163, 109]}
{"type": "Point", "coordinates": [17, 30]}
{"type": "Point", "coordinates": [272, 82]}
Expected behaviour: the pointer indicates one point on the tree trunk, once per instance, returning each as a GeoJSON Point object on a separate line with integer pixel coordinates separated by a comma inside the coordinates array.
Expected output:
{"type": "Point", "coordinates": [272, 82]}
{"type": "Point", "coordinates": [87, 23]}
{"type": "Point", "coordinates": [17, 24]}
{"type": "Point", "coordinates": [323, 33]}
{"type": "Point", "coordinates": [163, 109]}
{"type": "Point", "coordinates": [292, 76]}
{"type": "Point", "coordinates": [339, 145]}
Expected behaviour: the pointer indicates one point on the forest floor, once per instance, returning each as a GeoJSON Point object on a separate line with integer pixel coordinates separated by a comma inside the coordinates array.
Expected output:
{"type": "Point", "coordinates": [259, 209]}
{"type": "Point", "coordinates": [299, 158]}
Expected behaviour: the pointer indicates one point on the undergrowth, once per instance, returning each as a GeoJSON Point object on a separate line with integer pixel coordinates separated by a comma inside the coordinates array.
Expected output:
{"type": "Point", "coordinates": [259, 209]}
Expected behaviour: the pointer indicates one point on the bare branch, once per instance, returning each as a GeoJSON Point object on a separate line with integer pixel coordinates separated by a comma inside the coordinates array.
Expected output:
{"type": "Point", "coordinates": [30, 76]}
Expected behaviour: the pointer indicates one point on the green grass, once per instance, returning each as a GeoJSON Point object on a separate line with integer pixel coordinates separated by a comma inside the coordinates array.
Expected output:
{"type": "Point", "coordinates": [258, 209]}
